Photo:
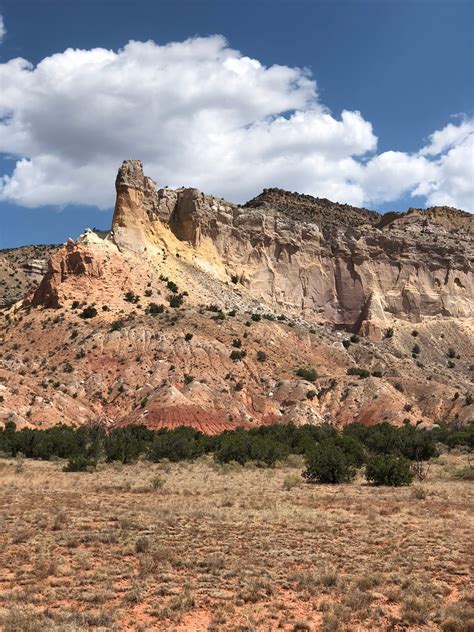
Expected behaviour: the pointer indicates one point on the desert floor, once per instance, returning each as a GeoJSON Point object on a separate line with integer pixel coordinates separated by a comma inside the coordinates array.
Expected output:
{"type": "Point", "coordinates": [196, 546]}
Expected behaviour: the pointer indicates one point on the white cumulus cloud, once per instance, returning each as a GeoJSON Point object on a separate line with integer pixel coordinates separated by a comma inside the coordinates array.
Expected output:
{"type": "Point", "coordinates": [199, 113]}
{"type": "Point", "coordinates": [448, 137]}
{"type": "Point", "coordinates": [452, 182]}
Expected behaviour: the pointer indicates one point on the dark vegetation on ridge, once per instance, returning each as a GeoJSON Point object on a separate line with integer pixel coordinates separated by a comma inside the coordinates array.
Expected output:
{"type": "Point", "coordinates": [328, 214]}
{"type": "Point", "coordinates": [392, 456]}
{"type": "Point", "coordinates": [306, 207]}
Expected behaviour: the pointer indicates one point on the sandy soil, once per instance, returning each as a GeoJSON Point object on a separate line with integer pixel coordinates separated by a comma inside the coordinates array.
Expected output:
{"type": "Point", "coordinates": [197, 546]}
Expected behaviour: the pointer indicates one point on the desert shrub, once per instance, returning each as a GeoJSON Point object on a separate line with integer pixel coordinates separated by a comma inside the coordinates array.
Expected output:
{"type": "Point", "coordinates": [188, 378]}
{"type": "Point", "coordinates": [60, 441]}
{"type": "Point", "coordinates": [176, 300]}
{"type": "Point", "coordinates": [465, 473]}
{"type": "Point", "coordinates": [453, 438]}
{"type": "Point", "coordinates": [188, 337]}
{"type": "Point", "coordinates": [346, 343]}
{"type": "Point", "coordinates": [353, 449]}
{"type": "Point", "coordinates": [267, 451]}
{"type": "Point", "coordinates": [388, 332]}
{"type": "Point", "coordinates": [233, 446]}
{"type": "Point", "coordinates": [327, 463]}
{"type": "Point", "coordinates": [157, 482]}
{"type": "Point", "coordinates": [290, 481]}
{"type": "Point", "coordinates": [130, 297]}
{"type": "Point", "coordinates": [237, 343]}
{"type": "Point", "coordinates": [416, 444]}
{"type": "Point", "coordinates": [377, 374]}
{"type": "Point", "coordinates": [379, 439]}
{"type": "Point", "coordinates": [418, 493]}
{"type": "Point", "coordinates": [416, 349]}
{"type": "Point", "coordinates": [256, 317]}
{"type": "Point", "coordinates": [388, 469]}
{"type": "Point", "coordinates": [89, 440]}
{"type": "Point", "coordinates": [304, 438]}
{"type": "Point", "coordinates": [354, 338]}
{"type": "Point", "coordinates": [286, 434]}
{"type": "Point", "coordinates": [153, 309]}
{"type": "Point", "coordinates": [237, 355]}
{"type": "Point", "coordinates": [234, 278]}
{"type": "Point", "coordinates": [88, 312]}
{"type": "Point", "coordinates": [261, 356]}
{"type": "Point", "coordinates": [309, 374]}
{"type": "Point", "coordinates": [241, 446]}
{"type": "Point", "coordinates": [410, 442]}
{"type": "Point", "coordinates": [171, 285]}
{"type": "Point", "coordinates": [181, 444]}
{"type": "Point", "coordinates": [80, 464]}
{"type": "Point", "coordinates": [362, 373]}
{"type": "Point", "coordinates": [123, 445]}
{"type": "Point", "coordinates": [117, 324]}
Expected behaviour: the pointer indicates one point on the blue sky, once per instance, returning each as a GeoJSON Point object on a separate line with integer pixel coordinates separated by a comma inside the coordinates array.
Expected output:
{"type": "Point", "coordinates": [406, 66]}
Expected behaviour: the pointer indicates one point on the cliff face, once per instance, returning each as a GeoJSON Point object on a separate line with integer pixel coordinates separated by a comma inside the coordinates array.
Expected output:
{"type": "Point", "coordinates": [71, 263]}
{"type": "Point", "coordinates": [325, 261]}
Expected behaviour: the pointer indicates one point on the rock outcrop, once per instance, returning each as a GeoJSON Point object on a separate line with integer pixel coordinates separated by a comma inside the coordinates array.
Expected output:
{"type": "Point", "coordinates": [74, 262]}
{"type": "Point", "coordinates": [328, 262]}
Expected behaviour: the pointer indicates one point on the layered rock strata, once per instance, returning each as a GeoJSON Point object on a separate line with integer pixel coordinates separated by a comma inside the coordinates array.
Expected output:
{"type": "Point", "coordinates": [329, 262]}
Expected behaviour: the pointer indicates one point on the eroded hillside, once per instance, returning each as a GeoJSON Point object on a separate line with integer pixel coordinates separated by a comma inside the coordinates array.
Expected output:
{"type": "Point", "coordinates": [194, 310]}
{"type": "Point", "coordinates": [21, 270]}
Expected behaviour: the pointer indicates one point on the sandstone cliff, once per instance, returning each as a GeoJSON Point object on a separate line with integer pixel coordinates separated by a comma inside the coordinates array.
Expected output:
{"type": "Point", "coordinates": [325, 261]}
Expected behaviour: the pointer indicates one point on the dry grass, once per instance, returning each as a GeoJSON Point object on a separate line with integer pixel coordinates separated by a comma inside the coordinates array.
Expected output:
{"type": "Point", "coordinates": [197, 547]}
